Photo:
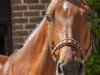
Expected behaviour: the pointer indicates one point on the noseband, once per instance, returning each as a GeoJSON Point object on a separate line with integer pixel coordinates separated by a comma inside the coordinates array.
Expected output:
{"type": "Point", "coordinates": [71, 43]}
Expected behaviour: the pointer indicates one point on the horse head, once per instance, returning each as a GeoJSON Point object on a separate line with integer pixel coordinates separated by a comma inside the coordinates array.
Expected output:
{"type": "Point", "coordinates": [69, 35]}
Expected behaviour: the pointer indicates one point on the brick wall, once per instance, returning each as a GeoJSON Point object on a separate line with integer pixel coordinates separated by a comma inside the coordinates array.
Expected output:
{"type": "Point", "coordinates": [25, 15]}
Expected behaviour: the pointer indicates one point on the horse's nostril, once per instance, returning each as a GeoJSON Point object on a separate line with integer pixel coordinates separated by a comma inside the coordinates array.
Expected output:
{"type": "Point", "coordinates": [81, 68]}
{"type": "Point", "coordinates": [59, 68]}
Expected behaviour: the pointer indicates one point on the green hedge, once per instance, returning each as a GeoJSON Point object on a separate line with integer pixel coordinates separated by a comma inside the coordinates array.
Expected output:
{"type": "Point", "coordinates": [93, 64]}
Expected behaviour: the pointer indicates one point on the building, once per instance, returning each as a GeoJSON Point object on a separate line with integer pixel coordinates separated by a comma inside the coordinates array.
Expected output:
{"type": "Point", "coordinates": [17, 19]}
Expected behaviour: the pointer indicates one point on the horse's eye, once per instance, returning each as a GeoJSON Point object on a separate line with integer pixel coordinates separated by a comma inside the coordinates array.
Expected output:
{"type": "Point", "coordinates": [90, 15]}
{"type": "Point", "coordinates": [49, 19]}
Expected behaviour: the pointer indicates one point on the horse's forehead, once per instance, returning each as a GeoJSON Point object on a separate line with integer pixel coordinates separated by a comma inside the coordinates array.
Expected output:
{"type": "Point", "coordinates": [54, 5]}
{"type": "Point", "coordinates": [65, 5]}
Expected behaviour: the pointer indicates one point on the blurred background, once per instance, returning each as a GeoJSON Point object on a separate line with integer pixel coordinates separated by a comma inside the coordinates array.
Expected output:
{"type": "Point", "coordinates": [19, 17]}
{"type": "Point", "coordinates": [93, 64]}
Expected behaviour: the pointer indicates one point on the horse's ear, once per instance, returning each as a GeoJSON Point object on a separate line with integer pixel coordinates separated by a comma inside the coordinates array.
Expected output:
{"type": "Point", "coordinates": [52, 0]}
{"type": "Point", "coordinates": [55, 0]}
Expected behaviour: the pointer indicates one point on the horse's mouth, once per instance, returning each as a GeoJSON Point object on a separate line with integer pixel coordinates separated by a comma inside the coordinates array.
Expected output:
{"type": "Point", "coordinates": [71, 68]}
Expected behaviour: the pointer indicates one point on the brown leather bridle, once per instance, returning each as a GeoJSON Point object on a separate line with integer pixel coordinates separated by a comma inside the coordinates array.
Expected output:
{"type": "Point", "coordinates": [72, 43]}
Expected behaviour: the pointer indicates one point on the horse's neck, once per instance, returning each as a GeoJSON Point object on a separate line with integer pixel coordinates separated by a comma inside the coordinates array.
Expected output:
{"type": "Point", "coordinates": [44, 64]}
{"type": "Point", "coordinates": [33, 58]}
{"type": "Point", "coordinates": [33, 47]}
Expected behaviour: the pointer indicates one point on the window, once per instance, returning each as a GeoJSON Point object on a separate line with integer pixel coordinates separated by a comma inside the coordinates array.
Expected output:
{"type": "Point", "coordinates": [5, 27]}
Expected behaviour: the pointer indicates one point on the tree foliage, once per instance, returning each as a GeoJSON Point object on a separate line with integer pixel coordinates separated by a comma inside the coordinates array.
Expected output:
{"type": "Point", "coordinates": [93, 64]}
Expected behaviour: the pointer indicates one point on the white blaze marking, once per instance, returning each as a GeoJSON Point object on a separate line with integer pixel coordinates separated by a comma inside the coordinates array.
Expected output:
{"type": "Point", "coordinates": [66, 5]}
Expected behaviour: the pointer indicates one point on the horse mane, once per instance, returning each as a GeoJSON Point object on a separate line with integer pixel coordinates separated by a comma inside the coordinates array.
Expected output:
{"type": "Point", "coordinates": [32, 33]}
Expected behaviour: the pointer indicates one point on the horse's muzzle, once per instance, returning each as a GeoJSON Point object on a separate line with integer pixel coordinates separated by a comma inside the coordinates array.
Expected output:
{"type": "Point", "coordinates": [71, 68]}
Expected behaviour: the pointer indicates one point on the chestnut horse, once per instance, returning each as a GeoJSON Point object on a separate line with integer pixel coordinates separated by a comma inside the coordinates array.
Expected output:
{"type": "Point", "coordinates": [59, 46]}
